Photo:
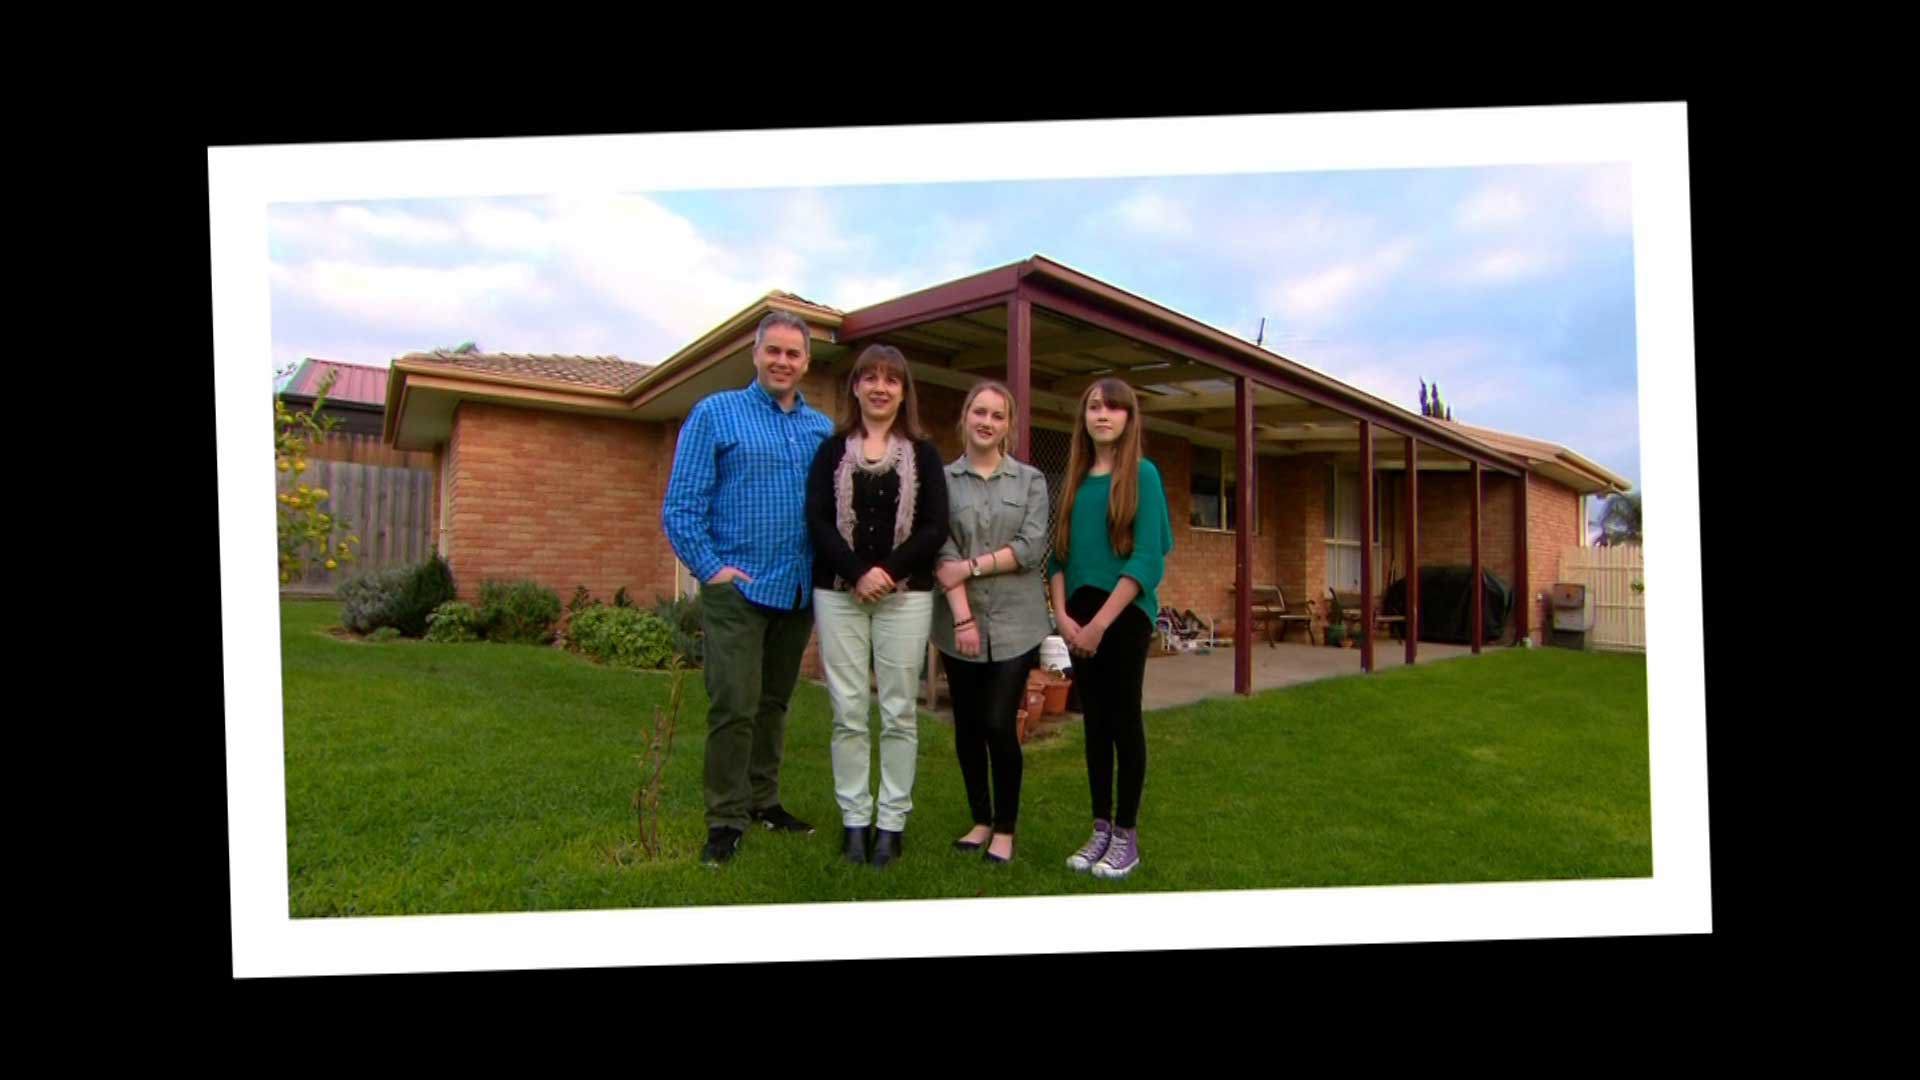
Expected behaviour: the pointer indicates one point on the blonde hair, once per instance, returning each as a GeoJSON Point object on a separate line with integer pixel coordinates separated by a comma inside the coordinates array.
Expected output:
{"type": "Point", "coordinates": [1013, 413]}
{"type": "Point", "coordinates": [1123, 497]}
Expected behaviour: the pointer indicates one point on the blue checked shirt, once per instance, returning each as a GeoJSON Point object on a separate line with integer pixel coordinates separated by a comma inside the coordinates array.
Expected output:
{"type": "Point", "coordinates": [739, 490]}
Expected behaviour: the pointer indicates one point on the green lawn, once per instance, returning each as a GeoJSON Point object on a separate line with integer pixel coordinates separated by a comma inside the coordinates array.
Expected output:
{"type": "Point", "coordinates": [463, 778]}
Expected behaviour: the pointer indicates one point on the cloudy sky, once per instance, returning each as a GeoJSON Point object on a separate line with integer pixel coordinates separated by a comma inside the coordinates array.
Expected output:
{"type": "Point", "coordinates": [1513, 287]}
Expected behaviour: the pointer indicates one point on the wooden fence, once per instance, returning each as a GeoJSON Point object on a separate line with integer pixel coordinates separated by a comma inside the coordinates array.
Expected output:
{"type": "Point", "coordinates": [381, 497]}
{"type": "Point", "coordinates": [1619, 609]}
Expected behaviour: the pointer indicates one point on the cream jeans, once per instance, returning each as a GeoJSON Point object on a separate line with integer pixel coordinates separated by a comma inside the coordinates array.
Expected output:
{"type": "Point", "coordinates": [888, 641]}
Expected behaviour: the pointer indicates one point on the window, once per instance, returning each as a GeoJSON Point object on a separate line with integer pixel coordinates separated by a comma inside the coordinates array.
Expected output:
{"type": "Point", "coordinates": [1343, 527]}
{"type": "Point", "coordinates": [1215, 491]}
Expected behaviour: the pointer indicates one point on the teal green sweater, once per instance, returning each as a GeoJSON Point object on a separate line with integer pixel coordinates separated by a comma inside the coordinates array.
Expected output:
{"type": "Point", "coordinates": [1091, 559]}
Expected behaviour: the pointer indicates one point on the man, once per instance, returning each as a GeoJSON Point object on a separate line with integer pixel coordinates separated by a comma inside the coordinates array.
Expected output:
{"type": "Point", "coordinates": [735, 513]}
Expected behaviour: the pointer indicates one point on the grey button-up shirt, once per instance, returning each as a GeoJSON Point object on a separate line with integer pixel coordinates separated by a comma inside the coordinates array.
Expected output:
{"type": "Point", "coordinates": [1008, 508]}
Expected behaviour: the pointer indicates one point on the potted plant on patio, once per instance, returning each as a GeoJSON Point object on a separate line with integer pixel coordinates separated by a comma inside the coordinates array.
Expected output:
{"type": "Point", "coordinates": [1336, 635]}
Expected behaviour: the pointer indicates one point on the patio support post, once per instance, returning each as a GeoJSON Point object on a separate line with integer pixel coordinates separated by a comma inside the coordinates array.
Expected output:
{"type": "Point", "coordinates": [1243, 537]}
{"type": "Point", "coordinates": [1366, 546]}
{"type": "Point", "coordinates": [1473, 549]}
{"type": "Point", "coordinates": [1412, 518]}
{"type": "Point", "coordinates": [1020, 373]}
{"type": "Point", "coordinates": [1523, 587]}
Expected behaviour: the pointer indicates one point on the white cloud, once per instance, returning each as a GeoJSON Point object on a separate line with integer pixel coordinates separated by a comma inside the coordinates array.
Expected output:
{"type": "Point", "coordinates": [1155, 214]}
{"type": "Point", "coordinates": [1609, 196]}
{"type": "Point", "coordinates": [855, 291]}
{"type": "Point", "coordinates": [1324, 292]}
{"type": "Point", "coordinates": [1494, 207]}
{"type": "Point", "coordinates": [411, 298]}
{"type": "Point", "coordinates": [505, 229]}
{"type": "Point", "coordinates": [644, 259]}
{"type": "Point", "coordinates": [394, 226]}
{"type": "Point", "coordinates": [1506, 265]}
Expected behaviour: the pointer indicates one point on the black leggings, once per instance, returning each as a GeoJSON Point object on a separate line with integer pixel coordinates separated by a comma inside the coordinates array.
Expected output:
{"type": "Point", "coordinates": [1110, 683]}
{"type": "Point", "coordinates": [985, 696]}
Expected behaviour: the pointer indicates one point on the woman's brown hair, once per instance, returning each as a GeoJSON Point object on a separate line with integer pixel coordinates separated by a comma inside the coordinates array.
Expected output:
{"type": "Point", "coordinates": [1123, 497]}
{"type": "Point", "coordinates": [886, 358]}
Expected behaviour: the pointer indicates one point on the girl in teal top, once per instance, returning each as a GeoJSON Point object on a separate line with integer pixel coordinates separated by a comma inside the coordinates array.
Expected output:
{"type": "Point", "coordinates": [1110, 546]}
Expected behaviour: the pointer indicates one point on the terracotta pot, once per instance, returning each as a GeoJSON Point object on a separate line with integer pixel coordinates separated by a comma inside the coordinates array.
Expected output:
{"type": "Point", "coordinates": [1346, 643]}
{"type": "Point", "coordinates": [1036, 703]}
{"type": "Point", "coordinates": [1056, 692]}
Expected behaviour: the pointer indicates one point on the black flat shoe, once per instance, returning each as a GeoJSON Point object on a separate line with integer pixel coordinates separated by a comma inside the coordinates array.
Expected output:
{"type": "Point", "coordinates": [988, 855]}
{"type": "Point", "coordinates": [886, 847]}
{"type": "Point", "coordinates": [854, 848]}
{"type": "Point", "coordinates": [963, 844]}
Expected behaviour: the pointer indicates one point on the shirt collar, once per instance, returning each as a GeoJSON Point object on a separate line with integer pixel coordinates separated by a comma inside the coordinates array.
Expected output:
{"type": "Point", "coordinates": [799, 398]}
{"type": "Point", "coordinates": [960, 468]}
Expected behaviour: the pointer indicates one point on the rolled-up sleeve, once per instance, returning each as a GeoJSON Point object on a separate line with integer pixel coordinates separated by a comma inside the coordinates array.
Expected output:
{"type": "Point", "coordinates": [1030, 543]}
{"type": "Point", "coordinates": [689, 502]}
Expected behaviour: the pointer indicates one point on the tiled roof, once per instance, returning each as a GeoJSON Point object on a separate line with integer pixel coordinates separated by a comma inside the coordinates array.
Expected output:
{"type": "Point", "coordinates": [801, 299]}
{"type": "Point", "coordinates": [600, 372]}
{"type": "Point", "coordinates": [355, 383]}
{"type": "Point", "coordinates": [1518, 445]}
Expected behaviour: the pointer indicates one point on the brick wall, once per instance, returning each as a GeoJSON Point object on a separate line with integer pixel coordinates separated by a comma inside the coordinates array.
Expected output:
{"type": "Point", "coordinates": [1553, 525]}
{"type": "Point", "coordinates": [562, 499]}
{"type": "Point", "coordinates": [1202, 568]}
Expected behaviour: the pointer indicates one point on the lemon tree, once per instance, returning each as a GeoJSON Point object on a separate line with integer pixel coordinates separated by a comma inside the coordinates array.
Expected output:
{"type": "Point", "coordinates": [307, 529]}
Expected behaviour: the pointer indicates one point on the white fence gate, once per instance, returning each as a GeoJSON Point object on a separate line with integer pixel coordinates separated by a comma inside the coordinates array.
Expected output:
{"type": "Point", "coordinates": [1614, 579]}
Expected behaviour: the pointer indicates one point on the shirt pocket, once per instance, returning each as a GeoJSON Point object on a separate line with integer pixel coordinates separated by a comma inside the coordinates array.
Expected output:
{"type": "Point", "coordinates": [1008, 510]}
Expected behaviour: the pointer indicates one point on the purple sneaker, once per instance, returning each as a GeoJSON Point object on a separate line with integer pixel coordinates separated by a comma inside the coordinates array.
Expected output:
{"type": "Point", "coordinates": [1122, 856]}
{"type": "Point", "coordinates": [1090, 852]}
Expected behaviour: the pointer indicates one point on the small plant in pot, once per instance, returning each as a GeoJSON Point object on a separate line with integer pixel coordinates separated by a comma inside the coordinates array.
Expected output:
{"type": "Point", "coordinates": [1336, 622]}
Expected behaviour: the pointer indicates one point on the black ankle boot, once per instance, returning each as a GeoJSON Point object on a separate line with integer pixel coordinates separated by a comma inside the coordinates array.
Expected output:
{"type": "Point", "coordinates": [886, 847]}
{"type": "Point", "coordinates": [854, 849]}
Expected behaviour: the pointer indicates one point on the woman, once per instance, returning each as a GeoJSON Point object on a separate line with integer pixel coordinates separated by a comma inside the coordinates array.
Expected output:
{"type": "Point", "coordinates": [992, 614]}
{"type": "Point", "coordinates": [1110, 549]}
{"type": "Point", "coordinates": [877, 512]}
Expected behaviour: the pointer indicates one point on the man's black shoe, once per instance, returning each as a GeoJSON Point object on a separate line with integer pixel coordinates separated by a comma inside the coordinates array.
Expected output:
{"type": "Point", "coordinates": [777, 819]}
{"type": "Point", "coordinates": [854, 848]}
{"type": "Point", "coordinates": [722, 844]}
{"type": "Point", "coordinates": [886, 847]}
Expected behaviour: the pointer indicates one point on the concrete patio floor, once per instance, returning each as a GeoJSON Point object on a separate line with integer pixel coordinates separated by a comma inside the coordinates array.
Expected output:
{"type": "Point", "coordinates": [1184, 678]}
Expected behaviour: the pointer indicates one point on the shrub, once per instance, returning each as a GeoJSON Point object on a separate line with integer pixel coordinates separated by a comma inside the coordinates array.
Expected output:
{"type": "Point", "coordinates": [429, 584]}
{"type": "Point", "coordinates": [623, 637]}
{"type": "Point", "coordinates": [385, 633]}
{"type": "Point", "coordinates": [581, 599]}
{"type": "Point", "coordinates": [401, 597]}
{"type": "Point", "coordinates": [683, 615]}
{"type": "Point", "coordinates": [368, 600]}
{"type": "Point", "coordinates": [621, 599]}
{"type": "Point", "coordinates": [454, 621]}
{"type": "Point", "coordinates": [518, 612]}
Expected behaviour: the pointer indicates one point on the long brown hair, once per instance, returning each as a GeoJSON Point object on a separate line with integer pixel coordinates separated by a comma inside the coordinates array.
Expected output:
{"type": "Point", "coordinates": [886, 358]}
{"type": "Point", "coordinates": [1013, 414]}
{"type": "Point", "coordinates": [1123, 497]}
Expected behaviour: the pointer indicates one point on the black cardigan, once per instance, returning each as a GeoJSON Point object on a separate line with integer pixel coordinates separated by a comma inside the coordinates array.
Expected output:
{"type": "Point", "coordinates": [876, 501]}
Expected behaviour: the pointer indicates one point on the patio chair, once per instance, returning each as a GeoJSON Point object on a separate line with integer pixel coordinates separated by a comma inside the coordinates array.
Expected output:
{"type": "Point", "coordinates": [1351, 602]}
{"type": "Point", "coordinates": [1267, 606]}
{"type": "Point", "coordinates": [1282, 619]}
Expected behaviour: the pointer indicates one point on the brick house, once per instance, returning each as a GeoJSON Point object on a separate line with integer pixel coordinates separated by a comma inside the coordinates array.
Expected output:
{"type": "Point", "coordinates": [554, 468]}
